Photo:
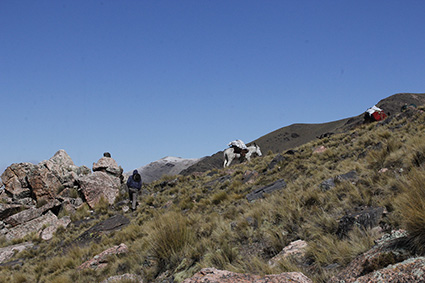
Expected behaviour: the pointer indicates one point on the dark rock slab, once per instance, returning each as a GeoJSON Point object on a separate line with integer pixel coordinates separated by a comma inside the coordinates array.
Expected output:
{"type": "Point", "coordinates": [96, 232]}
{"type": "Point", "coordinates": [366, 218]}
{"type": "Point", "coordinates": [259, 193]}
{"type": "Point", "coordinates": [7, 210]}
{"type": "Point", "coordinates": [276, 160]}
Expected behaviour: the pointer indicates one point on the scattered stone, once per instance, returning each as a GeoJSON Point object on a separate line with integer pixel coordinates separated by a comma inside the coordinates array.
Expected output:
{"type": "Point", "coordinates": [47, 233]}
{"type": "Point", "coordinates": [295, 250]}
{"type": "Point", "coordinates": [127, 277]}
{"type": "Point", "coordinates": [249, 177]}
{"type": "Point", "coordinates": [331, 182]}
{"type": "Point", "coordinates": [8, 252]}
{"type": "Point", "coordinates": [220, 180]}
{"type": "Point", "coordinates": [101, 260]}
{"type": "Point", "coordinates": [259, 193]}
{"type": "Point", "coordinates": [223, 276]}
{"type": "Point", "coordinates": [320, 149]}
{"type": "Point", "coordinates": [291, 152]}
{"type": "Point", "coordinates": [367, 218]}
{"type": "Point", "coordinates": [325, 135]}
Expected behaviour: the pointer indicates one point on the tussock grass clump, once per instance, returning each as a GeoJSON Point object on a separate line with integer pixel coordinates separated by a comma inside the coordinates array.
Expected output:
{"type": "Point", "coordinates": [170, 238]}
{"type": "Point", "coordinates": [411, 205]}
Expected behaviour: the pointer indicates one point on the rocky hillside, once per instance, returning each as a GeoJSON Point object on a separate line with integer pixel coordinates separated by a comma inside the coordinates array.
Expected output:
{"type": "Point", "coordinates": [347, 207]}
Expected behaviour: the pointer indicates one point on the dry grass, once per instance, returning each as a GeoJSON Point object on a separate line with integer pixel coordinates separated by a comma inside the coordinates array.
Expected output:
{"type": "Point", "coordinates": [411, 205]}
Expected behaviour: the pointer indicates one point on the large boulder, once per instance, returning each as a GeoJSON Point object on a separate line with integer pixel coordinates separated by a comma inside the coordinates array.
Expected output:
{"type": "Point", "coordinates": [44, 183]}
{"type": "Point", "coordinates": [109, 166]}
{"type": "Point", "coordinates": [99, 185]}
{"type": "Point", "coordinates": [223, 276]}
{"type": "Point", "coordinates": [15, 180]}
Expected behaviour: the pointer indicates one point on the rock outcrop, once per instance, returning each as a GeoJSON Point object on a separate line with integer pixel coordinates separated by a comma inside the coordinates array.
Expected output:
{"type": "Point", "coordinates": [410, 270]}
{"type": "Point", "coordinates": [33, 195]}
{"type": "Point", "coordinates": [41, 182]}
{"type": "Point", "coordinates": [386, 254]}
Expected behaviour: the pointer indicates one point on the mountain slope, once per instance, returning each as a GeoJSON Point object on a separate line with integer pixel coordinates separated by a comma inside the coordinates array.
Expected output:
{"type": "Point", "coordinates": [345, 204]}
{"type": "Point", "coordinates": [165, 166]}
{"type": "Point", "coordinates": [298, 134]}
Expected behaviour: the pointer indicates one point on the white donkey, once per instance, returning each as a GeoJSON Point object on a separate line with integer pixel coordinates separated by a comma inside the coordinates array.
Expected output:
{"type": "Point", "coordinates": [229, 154]}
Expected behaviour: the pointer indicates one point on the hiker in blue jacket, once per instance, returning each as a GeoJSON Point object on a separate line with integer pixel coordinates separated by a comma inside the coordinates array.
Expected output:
{"type": "Point", "coordinates": [134, 184]}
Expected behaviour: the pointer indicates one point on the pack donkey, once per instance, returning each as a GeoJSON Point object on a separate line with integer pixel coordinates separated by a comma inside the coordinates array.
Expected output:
{"type": "Point", "coordinates": [230, 154]}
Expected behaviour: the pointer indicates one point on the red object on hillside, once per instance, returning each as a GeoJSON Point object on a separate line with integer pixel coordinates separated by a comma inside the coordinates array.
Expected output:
{"type": "Point", "coordinates": [375, 114]}
{"type": "Point", "coordinates": [379, 115]}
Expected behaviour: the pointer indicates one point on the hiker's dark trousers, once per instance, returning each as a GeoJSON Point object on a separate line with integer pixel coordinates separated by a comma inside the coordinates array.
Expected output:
{"type": "Point", "coordinates": [133, 193]}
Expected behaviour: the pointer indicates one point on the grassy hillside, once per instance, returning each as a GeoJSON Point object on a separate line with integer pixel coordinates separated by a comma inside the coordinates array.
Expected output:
{"type": "Point", "coordinates": [189, 222]}
{"type": "Point", "coordinates": [295, 135]}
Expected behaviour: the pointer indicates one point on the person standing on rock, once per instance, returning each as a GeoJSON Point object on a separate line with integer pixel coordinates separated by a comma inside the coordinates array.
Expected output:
{"type": "Point", "coordinates": [134, 184]}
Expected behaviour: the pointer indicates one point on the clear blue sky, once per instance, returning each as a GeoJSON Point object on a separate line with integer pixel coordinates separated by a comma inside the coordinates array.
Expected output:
{"type": "Point", "coordinates": [149, 79]}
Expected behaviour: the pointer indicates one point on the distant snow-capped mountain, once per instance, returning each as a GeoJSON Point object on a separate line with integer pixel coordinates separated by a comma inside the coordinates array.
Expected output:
{"type": "Point", "coordinates": [165, 166]}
